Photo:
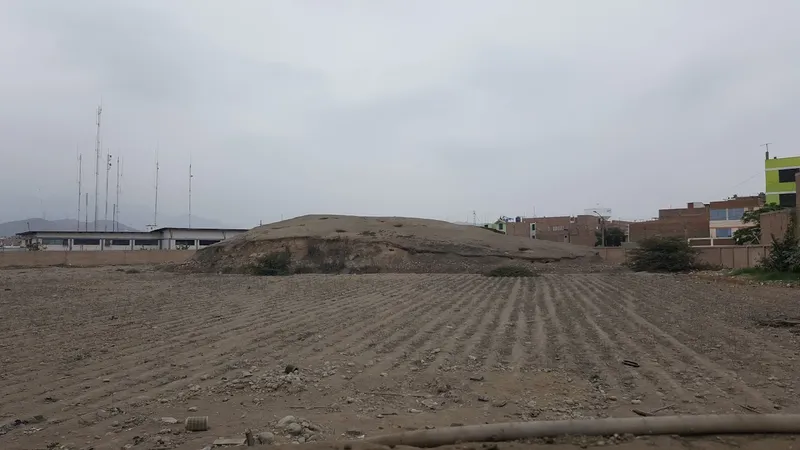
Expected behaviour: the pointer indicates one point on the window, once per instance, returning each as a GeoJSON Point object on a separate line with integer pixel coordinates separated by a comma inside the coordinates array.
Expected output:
{"type": "Point", "coordinates": [214, 241]}
{"type": "Point", "coordinates": [86, 242]}
{"type": "Point", "coordinates": [787, 175]}
{"type": "Point", "coordinates": [184, 242]}
{"type": "Point", "coordinates": [533, 227]}
{"type": "Point", "coordinates": [146, 242]}
{"type": "Point", "coordinates": [121, 242]}
{"type": "Point", "coordinates": [499, 227]}
{"type": "Point", "coordinates": [735, 213]}
{"type": "Point", "coordinates": [724, 232]}
{"type": "Point", "coordinates": [718, 214]}
{"type": "Point", "coordinates": [787, 200]}
{"type": "Point", "coordinates": [51, 241]}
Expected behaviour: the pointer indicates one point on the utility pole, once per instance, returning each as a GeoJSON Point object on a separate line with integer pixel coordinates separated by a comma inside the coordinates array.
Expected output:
{"type": "Point", "coordinates": [86, 223]}
{"type": "Point", "coordinates": [155, 209]}
{"type": "Point", "coordinates": [602, 227]}
{"type": "Point", "coordinates": [80, 194]}
{"type": "Point", "coordinates": [115, 222]}
{"type": "Point", "coordinates": [766, 153]}
{"type": "Point", "coordinates": [190, 190]}
{"type": "Point", "coordinates": [108, 169]}
{"type": "Point", "coordinates": [97, 168]}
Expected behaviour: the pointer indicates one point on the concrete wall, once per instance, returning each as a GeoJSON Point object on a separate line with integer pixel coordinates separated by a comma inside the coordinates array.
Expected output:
{"type": "Point", "coordinates": [729, 256]}
{"type": "Point", "coordinates": [92, 258]}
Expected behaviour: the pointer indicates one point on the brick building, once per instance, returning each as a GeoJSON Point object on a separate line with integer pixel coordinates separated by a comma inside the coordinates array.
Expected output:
{"type": "Point", "coordinates": [579, 230]}
{"type": "Point", "coordinates": [689, 222]}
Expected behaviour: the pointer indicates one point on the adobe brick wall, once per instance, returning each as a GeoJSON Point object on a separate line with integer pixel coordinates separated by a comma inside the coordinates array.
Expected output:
{"type": "Point", "coordinates": [91, 259]}
{"type": "Point", "coordinates": [581, 232]}
{"type": "Point", "coordinates": [696, 226]}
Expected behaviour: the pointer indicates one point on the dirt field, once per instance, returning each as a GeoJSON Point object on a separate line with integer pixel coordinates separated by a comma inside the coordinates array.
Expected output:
{"type": "Point", "coordinates": [101, 358]}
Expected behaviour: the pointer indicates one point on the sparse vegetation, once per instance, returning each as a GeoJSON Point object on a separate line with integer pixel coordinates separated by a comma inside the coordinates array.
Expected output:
{"type": "Point", "coordinates": [784, 254]}
{"type": "Point", "coordinates": [338, 230]}
{"type": "Point", "coordinates": [273, 264]}
{"type": "Point", "coordinates": [368, 233]}
{"type": "Point", "coordinates": [523, 249]}
{"type": "Point", "coordinates": [511, 271]}
{"type": "Point", "coordinates": [663, 254]}
{"type": "Point", "coordinates": [761, 274]}
{"type": "Point", "coordinates": [614, 237]}
{"type": "Point", "coordinates": [397, 225]}
{"type": "Point", "coordinates": [752, 234]}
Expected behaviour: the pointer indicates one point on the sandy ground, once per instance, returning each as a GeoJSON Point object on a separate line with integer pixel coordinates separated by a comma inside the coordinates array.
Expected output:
{"type": "Point", "coordinates": [385, 244]}
{"type": "Point", "coordinates": [106, 359]}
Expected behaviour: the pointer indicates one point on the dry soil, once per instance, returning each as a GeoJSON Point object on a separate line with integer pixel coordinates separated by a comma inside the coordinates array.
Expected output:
{"type": "Point", "coordinates": [104, 359]}
{"type": "Point", "coordinates": [341, 244]}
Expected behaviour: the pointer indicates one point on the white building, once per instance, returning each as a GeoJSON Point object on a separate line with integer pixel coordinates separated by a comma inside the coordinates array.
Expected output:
{"type": "Point", "coordinates": [158, 239]}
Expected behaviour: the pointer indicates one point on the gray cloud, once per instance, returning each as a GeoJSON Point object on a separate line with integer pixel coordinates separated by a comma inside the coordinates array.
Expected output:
{"type": "Point", "coordinates": [292, 108]}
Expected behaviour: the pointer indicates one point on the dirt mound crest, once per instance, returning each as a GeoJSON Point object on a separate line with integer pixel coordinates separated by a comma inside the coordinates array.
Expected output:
{"type": "Point", "coordinates": [347, 244]}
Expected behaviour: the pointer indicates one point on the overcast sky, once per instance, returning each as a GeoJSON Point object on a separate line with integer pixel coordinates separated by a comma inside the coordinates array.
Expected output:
{"type": "Point", "coordinates": [411, 108]}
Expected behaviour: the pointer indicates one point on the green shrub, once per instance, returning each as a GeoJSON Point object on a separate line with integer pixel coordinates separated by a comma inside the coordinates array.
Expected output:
{"type": "Point", "coordinates": [784, 254]}
{"type": "Point", "coordinates": [272, 264]}
{"type": "Point", "coordinates": [510, 271]}
{"type": "Point", "coordinates": [662, 254]}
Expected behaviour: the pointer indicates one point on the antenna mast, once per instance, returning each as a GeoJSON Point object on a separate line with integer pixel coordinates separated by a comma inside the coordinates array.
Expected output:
{"type": "Point", "coordinates": [80, 194]}
{"type": "Point", "coordinates": [86, 223]}
{"type": "Point", "coordinates": [108, 169]}
{"type": "Point", "coordinates": [97, 168]}
{"type": "Point", "coordinates": [155, 211]}
{"type": "Point", "coordinates": [116, 202]}
{"type": "Point", "coordinates": [190, 190]}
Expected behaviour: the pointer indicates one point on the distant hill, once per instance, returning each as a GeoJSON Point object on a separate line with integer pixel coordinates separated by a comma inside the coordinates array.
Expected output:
{"type": "Point", "coordinates": [36, 224]}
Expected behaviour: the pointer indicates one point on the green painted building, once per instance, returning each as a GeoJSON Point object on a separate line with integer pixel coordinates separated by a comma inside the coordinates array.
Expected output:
{"type": "Point", "coordinates": [780, 181]}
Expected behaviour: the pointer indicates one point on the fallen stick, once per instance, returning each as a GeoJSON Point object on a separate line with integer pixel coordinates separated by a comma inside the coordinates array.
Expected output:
{"type": "Point", "coordinates": [651, 413]}
{"type": "Point", "coordinates": [661, 425]}
{"type": "Point", "coordinates": [396, 394]}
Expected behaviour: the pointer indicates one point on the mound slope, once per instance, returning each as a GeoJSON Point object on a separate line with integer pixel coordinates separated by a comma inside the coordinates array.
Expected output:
{"type": "Point", "coordinates": [344, 244]}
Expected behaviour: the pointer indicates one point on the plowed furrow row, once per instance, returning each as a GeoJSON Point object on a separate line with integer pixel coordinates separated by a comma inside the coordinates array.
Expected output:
{"type": "Point", "coordinates": [558, 342]}
{"type": "Point", "coordinates": [590, 354]}
{"type": "Point", "coordinates": [386, 332]}
{"type": "Point", "coordinates": [731, 344]}
{"type": "Point", "coordinates": [730, 383]}
{"type": "Point", "coordinates": [480, 337]}
{"type": "Point", "coordinates": [440, 329]}
{"type": "Point", "coordinates": [457, 328]}
{"type": "Point", "coordinates": [470, 337]}
{"type": "Point", "coordinates": [410, 338]}
{"type": "Point", "coordinates": [351, 336]}
{"type": "Point", "coordinates": [631, 344]}
{"type": "Point", "coordinates": [150, 375]}
{"type": "Point", "coordinates": [499, 352]}
{"type": "Point", "coordinates": [617, 343]}
{"type": "Point", "coordinates": [158, 386]}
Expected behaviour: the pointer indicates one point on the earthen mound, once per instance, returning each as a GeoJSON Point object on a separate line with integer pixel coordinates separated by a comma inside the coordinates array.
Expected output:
{"type": "Point", "coordinates": [351, 244]}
